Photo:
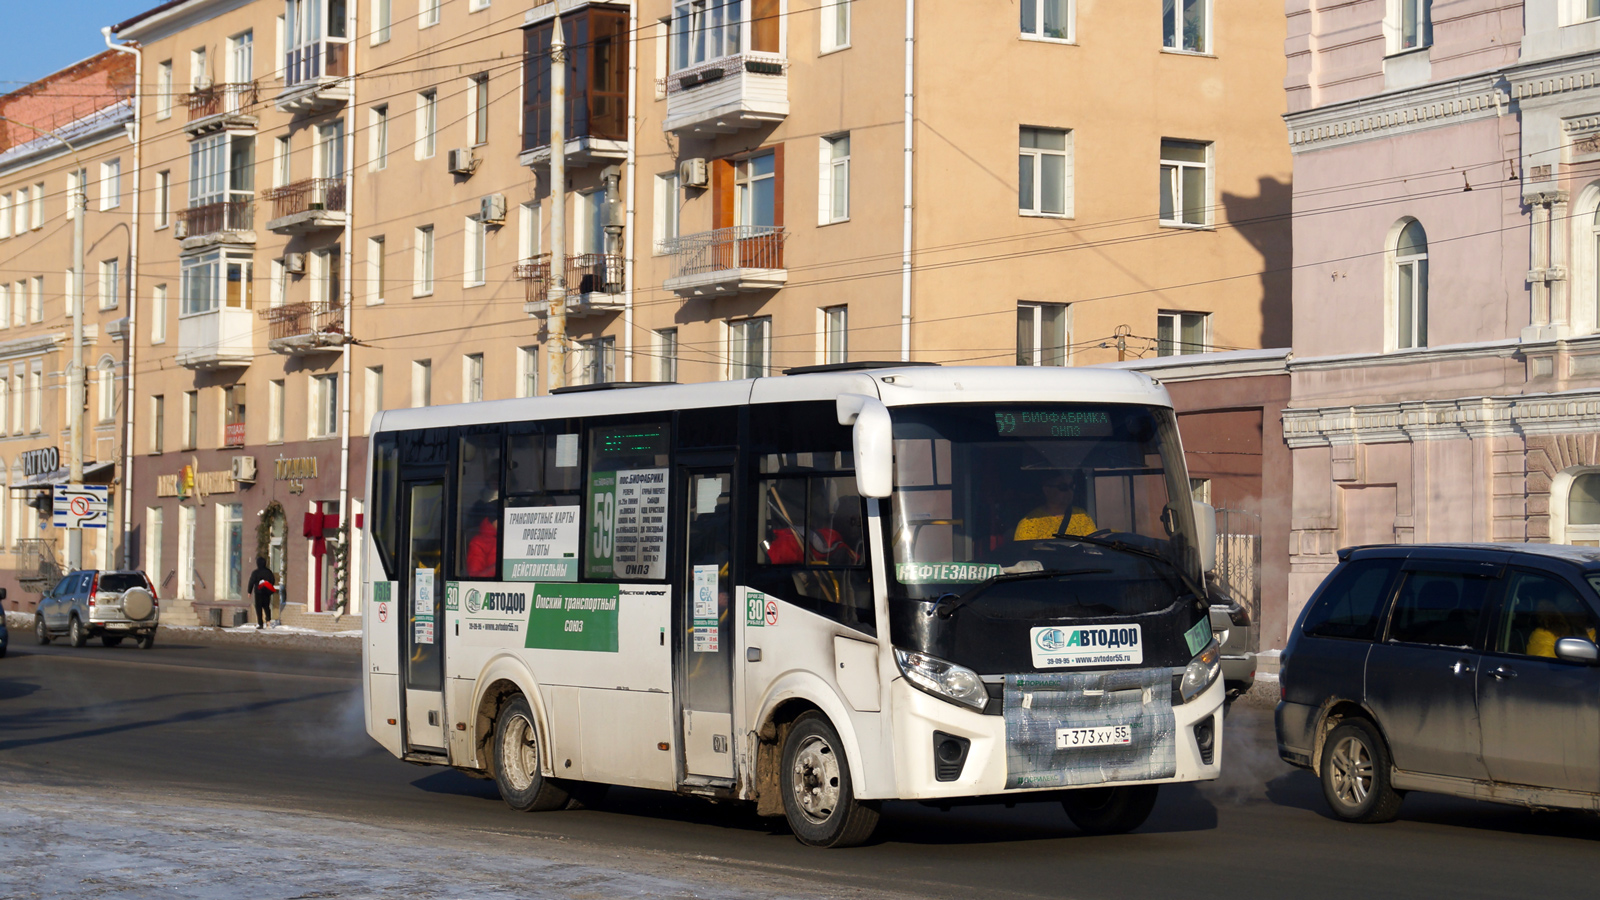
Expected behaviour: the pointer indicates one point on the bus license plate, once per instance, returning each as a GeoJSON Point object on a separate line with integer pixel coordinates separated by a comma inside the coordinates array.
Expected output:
{"type": "Point", "coordinates": [1104, 735]}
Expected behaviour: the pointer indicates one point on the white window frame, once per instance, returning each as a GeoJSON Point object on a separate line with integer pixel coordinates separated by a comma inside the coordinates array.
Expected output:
{"type": "Point", "coordinates": [5, 307]}
{"type": "Point", "coordinates": [5, 210]}
{"type": "Point", "coordinates": [421, 383]}
{"type": "Point", "coordinates": [105, 386]}
{"type": "Point", "coordinates": [372, 397]}
{"type": "Point", "coordinates": [1034, 157]}
{"type": "Point", "coordinates": [428, 13]}
{"type": "Point", "coordinates": [427, 123]}
{"type": "Point", "coordinates": [474, 241]}
{"type": "Point", "coordinates": [158, 314]}
{"type": "Point", "coordinates": [38, 200]}
{"type": "Point", "coordinates": [1037, 8]}
{"type": "Point", "coordinates": [110, 283]}
{"type": "Point", "coordinates": [1174, 321]}
{"type": "Point", "coordinates": [324, 419]}
{"type": "Point", "coordinates": [164, 97]}
{"type": "Point", "coordinates": [1172, 174]}
{"type": "Point", "coordinates": [699, 26]}
{"type": "Point", "coordinates": [186, 555]}
{"type": "Point", "coordinates": [1172, 18]}
{"type": "Point", "coordinates": [597, 361]}
{"type": "Point", "coordinates": [472, 378]}
{"type": "Point", "coordinates": [743, 336]}
{"type": "Point", "coordinates": [191, 420]}
{"type": "Point", "coordinates": [666, 351]}
{"type": "Point", "coordinates": [229, 585]}
{"type": "Point", "coordinates": [382, 21]}
{"type": "Point", "coordinates": [476, 5]}
{"type": "Point", "coordinates": [153, 522]}
{"type": "Point", "coordinates": [198, 75]}
{"type": "Point", "coordinates": [163, 199]}
{"type": "Point", "coordinates": [1036, 348]}
{"type": "Point", "coordinates": [1397, 41]}
{"type": "Point", "coordinates": [275, 410]}
{"type": "Point", "coordinates": [529, 236]}
{"type": "Point", "coordinates": [528, 371]}
{"type": "Point", "coordinates": [111, 183]}
{"type": "Point", "coordinates": [423, 254]}
{"type": "Point", "coordinates": [668, 212]}
{"type": "Point", "coordinates": [833, 334]}
{"type": "Point", "coordinates": [158, 423]}
{"type": "Point", "coordinates": [36, 299]}
{"type": "Point", "coordinates": [1414, 267]}
{"type": "Point", "coordinates": [378, 137]}
{"type": "Point", "coordinates": [478, 109]}
{"type": "Point", "coordinates": [22, 211]}
{"type": "Point", "coordinates": [833, 181]}
{"type": "Point", "coordinates": [377, 269]}
{"type": "Point", "coordinates": [836, 21]}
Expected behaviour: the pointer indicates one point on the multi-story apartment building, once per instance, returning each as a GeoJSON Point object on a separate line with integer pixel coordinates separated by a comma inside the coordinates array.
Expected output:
{"type": "Point", "coordinates": [1446, 379]}
{"type": "Point", "coordinates": [358, 216]}
{"type": "Point", "coordinates": [62, 134]}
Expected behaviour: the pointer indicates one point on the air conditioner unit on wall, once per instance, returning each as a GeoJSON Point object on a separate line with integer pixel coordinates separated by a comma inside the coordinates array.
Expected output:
{"type": "Point", "coordinates": [294, 263]}
{"type": "Point", "coordinates": [694, 173]}
{"type": "Point", "coordinates": [244, 469]}
{"type": "Point", "coordinates": [492, 209]}
{"type": "Point", "coordinates": [461, 161]}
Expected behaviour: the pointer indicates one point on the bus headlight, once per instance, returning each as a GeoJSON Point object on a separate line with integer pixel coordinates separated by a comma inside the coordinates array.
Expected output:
{"type": "Point", "coordinates": [1202, 672]}
{"type": "Point", "coordinates": [942, 679]}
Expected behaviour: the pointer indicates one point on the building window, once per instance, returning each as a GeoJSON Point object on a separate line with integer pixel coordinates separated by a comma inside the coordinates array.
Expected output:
{"type": "Point", "coordinates": [1411, 287]}
{"type": "Point", "coordinates": [835, 189]}
{"type": "Point", "coordinates": [222, 175]}
{"type": "Point", "coordinates": [1049, 19]}
{"type": "Point", "coordinates": [327, 282]}
{"type": "Point", "coordinates": [110, 282]}
{"type": "Point", "coordinates": [36, 299]}
{"type": "Point", "coordinates": [1186, 25]}
{"type": "Point", "coordinates": [1412, 21]}
{"type": "Point", "coordinates": [5, 305]}
{"type": "Point", "coordinates": [1583, 506]}
{"type": "Point", "coordinates": [191, 420]}
{"type": "Point", "coordinates": [330, 150]}
{"type": "Point", "coordinates": [1185, 182]}
{"type": "Point", "coordinates": [1044, 172]}
{"type": "Point", "coordinates": [472, 273]}
{"type": "Point", "coordinates": [704, 30]}
{"type": "Point", "coordinates": [324, 405]}
{"type": "Point", "coordinates": [749, 343]}
{"type": "Point", "coordinates": [1041, 334]}
{"type": "Point", "coordinates": [667, 211]}
{"type": "Point", "coordinates": [421, 382]}
{"type": "Point", "coordinates": [105, 386]}
{"type": "Point", "coordinates": [589, 223]}
{"type": "Point", "coordinates": [275, 411]}
{"type": "Point", "coordinates": [836, 24]}
{"type": "Point", "coordinates": [378, 124]}
{"type": "Point", "coordinates": [153, 520]}
{"type": "Point", "coordinates": [19, 401]}
{"type": "Point", "coordinates": [428, 13]}
{"type": "Point", "coordinates": [527, 371]}
{"type": "Point", "coordinates": [835, 335]}
{"type": "Point", "coordinates": [216, 279]}
{"type": "Point", "coordinates": [597, 360]}
{"type": "Point", "coordinates": [5, 210]}
{"type": "Point", "coordinates": [382, 16]}
{"type": "Point", "coordinates": [372, 399]}
{"type": "Point", "coordinates": [158, 314]}
{"type": "Point", "coordinates": [22, 211]}
{"type": "Point", "coordinates": [1591, 9]}
{"type": "Point", "coordinates": [38, 203]}
{"type": "Point", "coordinates": [422, 278]}
{"type": "Point", "coordinates": [111, 184]}
{"type": "Point", "coordinates": [528, 242]}
{"type": "Point", "coordinates": [667, 355]}
{"type": "Point", "coordinates": [377, 270]}
{"type": "Point", "coordinates": [230, 550]}
{"type": "Point", "coordinates": [427, 123]}
{"type": "Point", "coordinates": [158, 423]}
{"type": "Point", "coordinates": [472, 378]}
{"type": "Point", "coordinates": [164, 89]}
{"type": "Point", "coordinates": [1182, 333]}
{"type": "Point", "coordinates": [755, 190]}
{"type": "Point", "coordinates": [233, 415]}
{"type": "Point", "coordinates": [478, 112]}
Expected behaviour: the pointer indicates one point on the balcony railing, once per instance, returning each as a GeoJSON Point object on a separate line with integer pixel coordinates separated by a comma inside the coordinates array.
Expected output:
{"type": "Point", "coordinates": [312, 193]}
{"type": "Point", "coordinates": [218, 99]}
{"type": "Point", "coordinates": [587, 273]}
{"type": "Point", "coordinates": [315, 60]}
{"type": "Point", "coordinates": [738, 247]}
{"type": "Point", "coordinates": [233, 434]}
{"type": "Point", "coordinates": [322, 322]}
{"type": "Point", "coordinates": [226, 215]}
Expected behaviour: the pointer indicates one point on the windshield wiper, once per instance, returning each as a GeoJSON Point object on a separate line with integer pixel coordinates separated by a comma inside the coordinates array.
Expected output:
{"type": "Point", "coordinates": [1133, 550]}
{"type": "Point", "coordinates": [947, 604]}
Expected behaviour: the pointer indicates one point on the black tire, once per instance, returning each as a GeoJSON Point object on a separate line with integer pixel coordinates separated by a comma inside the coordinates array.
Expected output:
{"type": "Point", "coordinates": [1110, 810]}
{"type": "Point", "coordinates": [40, 632]}
{"type": "Point", "coordinates": [819, 797]}
{"type": "Point", "coordinates": [1355, 774]}
{"type": "Point", "coordinates": [516, 761]}
{"type": "Point", "coordinates": [111, 640]}
{"type": "Point", "coordinates": [145, 641]}
{"type": "Point", "coordinates": [77, 635]}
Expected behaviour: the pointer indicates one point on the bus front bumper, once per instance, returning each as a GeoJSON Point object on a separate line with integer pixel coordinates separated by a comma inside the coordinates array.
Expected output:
{"type": "Point", "coordinates": [983, 772]}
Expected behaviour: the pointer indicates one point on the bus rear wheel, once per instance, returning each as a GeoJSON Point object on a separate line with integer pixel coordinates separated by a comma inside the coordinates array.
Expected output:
{"type": "Point", "coordinates": [818, 795]}
{"type": "Point", "coordinates": [1110, 810]}
{"type": "Point", "coordinates": [516, 761]}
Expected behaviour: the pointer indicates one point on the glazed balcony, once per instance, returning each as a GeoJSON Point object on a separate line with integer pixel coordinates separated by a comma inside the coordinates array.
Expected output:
{"type": "Point", "coordinates": [306, 206]}
{"type": "Point", "coordinates": [296, 329]}
{"type": "Point", "coordinates": [216, 339]}
{"type": "Point", "coordinates": [221, 106]}
{"type": "Point", "coordinates": [597, 88]}
{"type": "Point", "coordinates": [723, 95]}
{"type": "Point", "coordinates": [727, 261]}
{"type": "Point", "coordinates": [595, 283]}
{"type": "Point", "coordinates": [315, 77]}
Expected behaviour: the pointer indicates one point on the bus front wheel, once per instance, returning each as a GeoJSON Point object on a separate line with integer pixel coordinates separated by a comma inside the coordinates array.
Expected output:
{"type": "Point", "coordinates": [516, 761]}
{"type": "Point", "coordinates": [818, 795]}
{"type": "Point", "coordinates": [1110, 810]}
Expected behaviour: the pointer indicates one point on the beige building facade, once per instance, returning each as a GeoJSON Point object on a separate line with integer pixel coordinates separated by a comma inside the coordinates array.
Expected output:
{"type": "Point", "coordinates": [64, 133]}
{"type": "Point", "coordinates": [348, 208]}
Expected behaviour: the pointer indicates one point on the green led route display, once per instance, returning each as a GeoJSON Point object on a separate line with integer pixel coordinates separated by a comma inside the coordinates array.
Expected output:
{"type": "Point", "coordinates": [1052, 423]}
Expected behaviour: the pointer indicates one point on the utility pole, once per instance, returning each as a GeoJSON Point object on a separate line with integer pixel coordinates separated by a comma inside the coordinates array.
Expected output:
{"type": "Point", "coordinates": [557, 345]}
{"type": "Point", "coordinates": [75, 398]}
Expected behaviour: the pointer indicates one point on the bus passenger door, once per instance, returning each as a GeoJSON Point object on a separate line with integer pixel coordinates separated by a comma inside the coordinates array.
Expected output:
{"type": "Point", "coordinates": [421, 565]}
{"type": "Point", "coordinates": [707, 651]}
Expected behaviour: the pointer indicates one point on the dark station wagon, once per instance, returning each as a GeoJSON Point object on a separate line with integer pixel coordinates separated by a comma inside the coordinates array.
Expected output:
{"type": "Point", "coordinates": [1467, 669]}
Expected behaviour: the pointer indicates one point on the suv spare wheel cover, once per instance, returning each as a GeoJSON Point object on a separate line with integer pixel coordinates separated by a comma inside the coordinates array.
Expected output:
{"type": "Point", "coordinates": [136, 603]}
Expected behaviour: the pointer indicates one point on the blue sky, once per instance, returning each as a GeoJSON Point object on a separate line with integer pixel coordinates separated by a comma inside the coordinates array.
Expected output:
{"type": "Point", "coordinates": [38, 37]}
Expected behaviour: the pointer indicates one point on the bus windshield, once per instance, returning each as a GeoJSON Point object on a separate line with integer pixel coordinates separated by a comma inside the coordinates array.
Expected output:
{"type": "Point", "coordinates": [985, 490]}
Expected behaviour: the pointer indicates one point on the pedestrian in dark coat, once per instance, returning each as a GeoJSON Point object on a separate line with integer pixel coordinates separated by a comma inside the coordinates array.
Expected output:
{"type": "Point", "coordinates": [262, 585]}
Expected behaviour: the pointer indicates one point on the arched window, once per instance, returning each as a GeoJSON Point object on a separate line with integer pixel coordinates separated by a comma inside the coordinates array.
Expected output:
{"type": "Point", "coordinates": [1583, 510]}
{"type": "Point", "coordinates": [1411, 287]}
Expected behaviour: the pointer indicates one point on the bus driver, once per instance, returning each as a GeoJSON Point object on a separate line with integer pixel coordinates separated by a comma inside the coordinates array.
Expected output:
{"type": "Point", "coordinates": [1062, 491]}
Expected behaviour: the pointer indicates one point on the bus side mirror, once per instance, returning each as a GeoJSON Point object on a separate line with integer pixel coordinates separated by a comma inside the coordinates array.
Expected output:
{"type": "Point", "coordinates": [873, 436]}
{"type": "Point", "coordinates": [1205, 526]}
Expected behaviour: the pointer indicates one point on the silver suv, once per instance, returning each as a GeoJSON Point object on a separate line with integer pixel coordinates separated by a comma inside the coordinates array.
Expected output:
{"type": "Point", "coordinates": [113, 605]}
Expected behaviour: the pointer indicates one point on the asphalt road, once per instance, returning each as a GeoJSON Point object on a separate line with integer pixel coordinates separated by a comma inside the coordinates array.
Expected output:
{"type": "Point", "coordinates": [281, 730]}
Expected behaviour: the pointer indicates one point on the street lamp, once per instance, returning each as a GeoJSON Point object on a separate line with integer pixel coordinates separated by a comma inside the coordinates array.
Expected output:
{"type": "Point", "coordinates": [80, 204]}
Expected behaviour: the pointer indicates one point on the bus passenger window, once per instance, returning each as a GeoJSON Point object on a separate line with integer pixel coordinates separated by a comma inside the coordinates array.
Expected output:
{"type": "Point", "coordinates": [478, 502]}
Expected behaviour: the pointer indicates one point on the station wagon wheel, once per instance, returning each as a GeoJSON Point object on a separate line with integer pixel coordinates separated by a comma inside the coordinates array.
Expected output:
{"type": "Point", "coordinates": [76, 635]}
{"type": "Point", "coordinates": [39, 630]}
{"type": "Point", "coordinates": [1355, 774]}
{"type": "Point", "coordinates": [516, 761]}
{"type": "Point", "coordinates": [818, 794]}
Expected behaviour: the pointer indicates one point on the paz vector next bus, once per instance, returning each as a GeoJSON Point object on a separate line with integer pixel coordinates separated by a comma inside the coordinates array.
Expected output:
{"type": "Point", "coordinates": [813, 592]}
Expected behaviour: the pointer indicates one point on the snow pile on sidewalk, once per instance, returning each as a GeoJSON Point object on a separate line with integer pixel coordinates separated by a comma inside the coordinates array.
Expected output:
{"type": "Point", "coordinates": [69, 843]}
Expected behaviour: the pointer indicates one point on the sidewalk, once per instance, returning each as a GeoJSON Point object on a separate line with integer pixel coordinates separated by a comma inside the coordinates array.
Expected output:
{"type": "Point", "coordinates": [21, 627]}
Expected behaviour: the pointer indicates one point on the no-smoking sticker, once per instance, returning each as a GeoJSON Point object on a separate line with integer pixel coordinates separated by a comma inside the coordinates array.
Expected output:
{"type": "Point", "coordinates": [772, 611]}
{"type": "Point", "coordinates": [383, 612]}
